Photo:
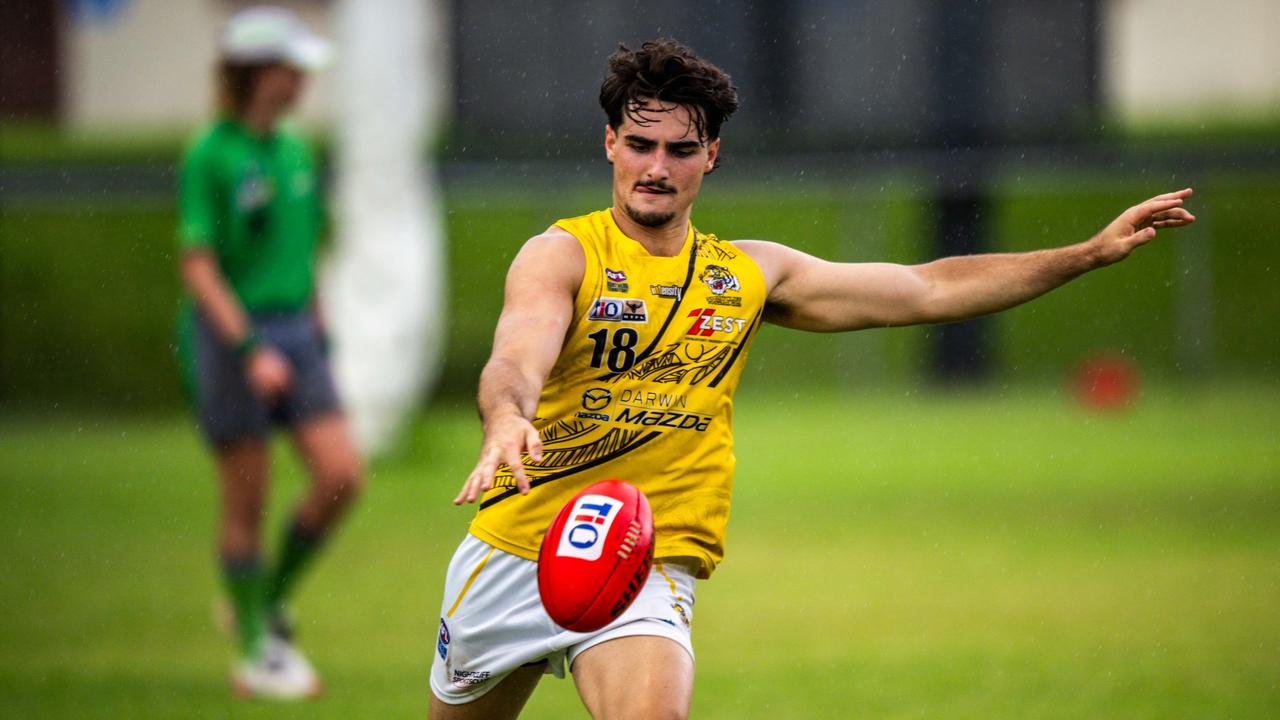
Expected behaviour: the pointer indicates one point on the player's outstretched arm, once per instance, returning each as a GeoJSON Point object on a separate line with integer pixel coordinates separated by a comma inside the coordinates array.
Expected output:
{"type": "Point", "coordinates": [536, 312]}
{"type": "Point", "coordinates": [812, 294]}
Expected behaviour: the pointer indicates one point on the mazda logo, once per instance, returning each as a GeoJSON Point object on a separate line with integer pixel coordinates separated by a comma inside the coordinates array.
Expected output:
{"type": "Point", "coordinates": [596, 399]}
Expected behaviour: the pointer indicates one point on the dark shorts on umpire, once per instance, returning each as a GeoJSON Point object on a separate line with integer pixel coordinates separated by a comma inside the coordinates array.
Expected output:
{"type": "Point", "coordinates": [227, 407]}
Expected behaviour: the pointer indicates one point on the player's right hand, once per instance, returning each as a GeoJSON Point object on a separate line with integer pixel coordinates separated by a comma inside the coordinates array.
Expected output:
{"type": "Point", "coordinates": [507, 438]}
{"type": "Point", "coordinates": [1137, 225]}
{"type": "Point", "coordinates": [268, 372]}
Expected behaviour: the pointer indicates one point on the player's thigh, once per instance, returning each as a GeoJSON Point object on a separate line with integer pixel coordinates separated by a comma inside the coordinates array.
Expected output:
{"type": "Point", "coordinates": [329, 452]}
{"type": "Point", "coordinates": [638, 676]}
{"type": "Point", "coordinates": [505, 700]}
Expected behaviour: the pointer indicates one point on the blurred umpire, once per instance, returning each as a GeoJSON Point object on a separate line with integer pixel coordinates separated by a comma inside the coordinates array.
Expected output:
{"type": "Point", "coordinates": [250, 216]}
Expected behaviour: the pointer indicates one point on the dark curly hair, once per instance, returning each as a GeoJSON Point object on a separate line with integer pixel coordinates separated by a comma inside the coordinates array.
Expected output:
{"type": "Point", "coordinates": [669, 72]}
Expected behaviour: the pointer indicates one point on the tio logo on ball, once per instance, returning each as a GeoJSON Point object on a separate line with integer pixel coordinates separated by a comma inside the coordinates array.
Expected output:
{"type": "Point", "coordinates": [588, 525]}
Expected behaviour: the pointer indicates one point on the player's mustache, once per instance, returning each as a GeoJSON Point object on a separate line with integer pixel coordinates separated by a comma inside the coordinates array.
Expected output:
{"type": "Point", "coordinates": [655, 185]}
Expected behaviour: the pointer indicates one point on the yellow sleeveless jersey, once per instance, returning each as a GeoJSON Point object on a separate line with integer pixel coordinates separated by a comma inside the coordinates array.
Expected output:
{"type": "Point", "coordinates": [642, 392]}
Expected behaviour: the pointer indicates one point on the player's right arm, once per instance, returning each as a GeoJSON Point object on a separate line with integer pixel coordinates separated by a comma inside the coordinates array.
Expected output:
{"type": "Point", "coordinates": [536, 312]}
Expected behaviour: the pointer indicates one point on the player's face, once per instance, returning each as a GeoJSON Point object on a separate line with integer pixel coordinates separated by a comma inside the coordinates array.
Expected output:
{"type": "Point", "coordinates": [658, 163]}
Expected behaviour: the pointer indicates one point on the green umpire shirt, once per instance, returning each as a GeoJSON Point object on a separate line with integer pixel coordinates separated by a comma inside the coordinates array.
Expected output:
{"type": "Point", "coordinates": [254, 202]}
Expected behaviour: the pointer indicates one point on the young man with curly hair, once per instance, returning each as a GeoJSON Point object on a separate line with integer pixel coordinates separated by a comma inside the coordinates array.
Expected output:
{"type": "Point", "coordinates": [621, 340]}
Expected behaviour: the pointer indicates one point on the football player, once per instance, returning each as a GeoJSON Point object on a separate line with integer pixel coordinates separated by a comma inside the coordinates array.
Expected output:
{"type": "Point", "coordinates": [620, 343]}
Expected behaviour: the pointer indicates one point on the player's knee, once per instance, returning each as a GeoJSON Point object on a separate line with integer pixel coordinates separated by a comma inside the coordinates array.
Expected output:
{"type": "Point", "coordinates": [666, 713]}
{"type": "Point", "coordinates": [651, 703]}
{"type": "Point", "coordinates": [652, 709]}
{"type": "Point", "coordinates": [342, 487]}
{"type": "Point", "coordinates": [248, 524]}
{"type": "Point", "coordinates": [244, 514]}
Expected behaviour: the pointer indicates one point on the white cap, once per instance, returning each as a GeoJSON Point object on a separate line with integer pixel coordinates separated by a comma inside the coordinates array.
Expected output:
{"type": "Point", "coordinates": [271, 34]}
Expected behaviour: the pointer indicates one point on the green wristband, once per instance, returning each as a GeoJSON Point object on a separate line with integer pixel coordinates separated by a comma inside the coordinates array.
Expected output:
{"type": "Point", "coordinates": [247, 345]}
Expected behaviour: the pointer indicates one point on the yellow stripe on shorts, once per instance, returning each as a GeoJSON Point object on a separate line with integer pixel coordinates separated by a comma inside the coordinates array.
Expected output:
{"type": "Point", "coordinates": [467, 585]}
{"type": "Point", "coordinates": [674, 591]}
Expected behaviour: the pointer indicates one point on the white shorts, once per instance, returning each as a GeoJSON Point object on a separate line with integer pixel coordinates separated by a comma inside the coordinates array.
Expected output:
{"type": "Point", "coordinates": [492, 620]}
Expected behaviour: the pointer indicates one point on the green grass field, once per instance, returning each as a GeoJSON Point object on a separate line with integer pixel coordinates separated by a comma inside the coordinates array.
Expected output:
{"type": "Point", "coordinates": [973, 555]}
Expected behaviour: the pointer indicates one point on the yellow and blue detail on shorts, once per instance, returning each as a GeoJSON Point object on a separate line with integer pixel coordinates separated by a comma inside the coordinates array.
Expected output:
{"type": "Point", "coordinates": [642, 392]}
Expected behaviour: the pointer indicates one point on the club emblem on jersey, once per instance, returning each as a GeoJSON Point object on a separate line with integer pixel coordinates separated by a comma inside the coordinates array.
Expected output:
{"type": "Point", "coordinates": [615, 280]}
{"type": "Point", "coordinates": [589, 523]}
{"type": "Point", "coordinates": [618, 310]}
{"type": "Point", "coordinates": [719, 279]}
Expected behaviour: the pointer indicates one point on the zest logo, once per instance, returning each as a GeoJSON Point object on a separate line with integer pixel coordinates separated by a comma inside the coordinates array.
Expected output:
{"type": "Point", "coordinates": [707, 323]}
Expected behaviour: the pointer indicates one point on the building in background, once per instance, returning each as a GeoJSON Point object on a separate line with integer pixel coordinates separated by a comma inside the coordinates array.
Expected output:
{"type": "Point", "coordinates": [820, 72]}
{"type": "Point", "coordinates": [1191, 60]}
{"type": "Point", "coordinates": [135, 65]}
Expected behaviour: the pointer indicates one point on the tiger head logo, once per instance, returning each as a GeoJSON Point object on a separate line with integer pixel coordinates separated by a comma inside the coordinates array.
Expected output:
{"type": "Point", "coordinates": [719, 279]}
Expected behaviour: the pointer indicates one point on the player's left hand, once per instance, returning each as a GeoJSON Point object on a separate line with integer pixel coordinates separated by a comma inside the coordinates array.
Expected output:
{"type": "Point", "coordinates": [1137, 225]}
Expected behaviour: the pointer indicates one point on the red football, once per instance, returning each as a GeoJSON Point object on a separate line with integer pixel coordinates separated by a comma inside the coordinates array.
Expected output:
{"type": "Point", "coordinates": [595, 556]}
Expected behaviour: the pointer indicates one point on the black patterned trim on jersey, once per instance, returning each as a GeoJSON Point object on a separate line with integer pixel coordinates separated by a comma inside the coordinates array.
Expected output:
{"type": "Point", "coordinates": [676, 364]}
{"type": "Point", "coordinates": [737, 351]}
{"type": "Point", "coordinates": [511, 491]}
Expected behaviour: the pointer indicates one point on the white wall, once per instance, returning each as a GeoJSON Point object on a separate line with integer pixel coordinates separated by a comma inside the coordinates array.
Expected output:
{"type": "Point", "coordinates": [151, 64]}
{"type": "Point", "coordinates": [1191, 58]}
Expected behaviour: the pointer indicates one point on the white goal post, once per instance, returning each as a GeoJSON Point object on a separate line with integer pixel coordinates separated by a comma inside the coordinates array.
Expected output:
{"type": "Point", "coordinates": [384, 284]}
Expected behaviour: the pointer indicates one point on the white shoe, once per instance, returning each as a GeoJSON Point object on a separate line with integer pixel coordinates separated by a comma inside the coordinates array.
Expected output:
{"type": "Point", "coordinates": [280, 673]}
